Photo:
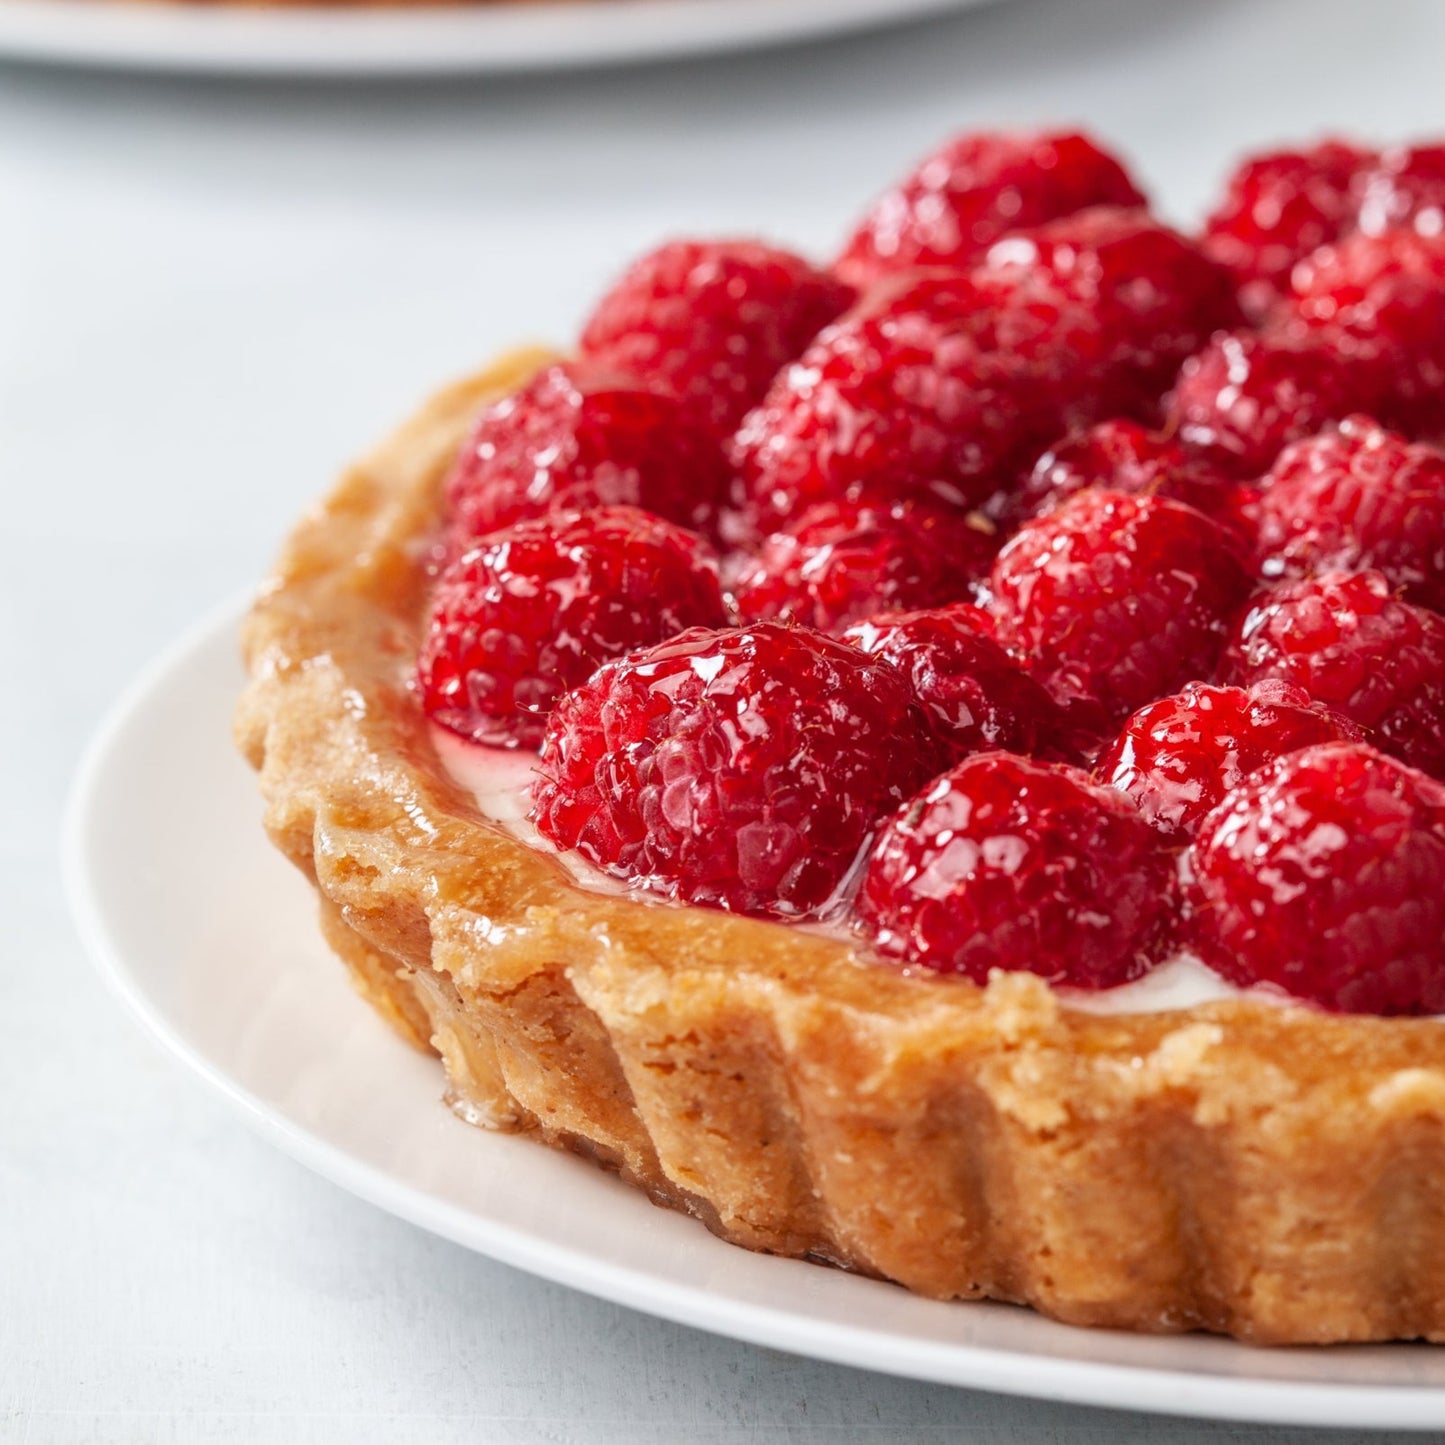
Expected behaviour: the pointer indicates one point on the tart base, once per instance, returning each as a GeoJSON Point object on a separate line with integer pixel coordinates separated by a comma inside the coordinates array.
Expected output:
{"type": "Point", "coordinates": [1268, 1172]}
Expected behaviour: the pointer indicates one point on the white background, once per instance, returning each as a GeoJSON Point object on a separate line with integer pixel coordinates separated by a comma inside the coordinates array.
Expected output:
{"type": "Point", "coordinates": [211, 295]}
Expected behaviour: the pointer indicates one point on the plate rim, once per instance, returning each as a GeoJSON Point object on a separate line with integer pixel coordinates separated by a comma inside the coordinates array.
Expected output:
{"type": "Point", "coordinates": [1000, 1370]}
{"type": "Point", "coordinates": [500, 37]}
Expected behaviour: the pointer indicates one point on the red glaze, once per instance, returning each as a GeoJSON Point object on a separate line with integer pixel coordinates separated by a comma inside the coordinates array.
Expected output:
{"type": "Point", "coordinates": [1354, 498]}
{"type": "Point", "coordinates": [712, 321]}
{"type": "Point", "coordinates": [942, 385]}
{"type": "Point", "coordinates": [956, 202]}
{"type": "Point", "coordinates": [844, 560]}
{"type": "Point", "coordinates": [1245, 396]}
{"type": "Point", "coordinates": [534, 609]}
{"type": "Point", "coordinates": [1019, 865]}
{"type": "Point", "coordinates": [1122, 456]}
{"type": "Point", "coordinates": [1116, 600]}
{"type": "Point", "coordinates": [1321, 875]}
{"type": "Point", "coordinates": [1405, 187]}
{"type": "Point", "coordinates": [1154, 294]}
{"type": "Point", "coordinates": [1380, 301]}
{"type": "Point", "coordinates": [1280, 206]}
{"type": "Point", "coordinates": [579, 437]}
{"type": "Point", "coordinates": [954, 383]}
{"type": "Point", "coordinates": [1351, 643]}
{"type": "Point", "coordinates": [739, 768]}
{"type": "Point", "coordinates": [1178, 757]}
{"type": "Point", "coordinates": [975, 695]}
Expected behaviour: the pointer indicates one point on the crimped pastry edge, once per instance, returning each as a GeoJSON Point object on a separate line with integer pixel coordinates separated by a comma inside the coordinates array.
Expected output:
{"type": "Point", "coordinates": [1268, 1172]}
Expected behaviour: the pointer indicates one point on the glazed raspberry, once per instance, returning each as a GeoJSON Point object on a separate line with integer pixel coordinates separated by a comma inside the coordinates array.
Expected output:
{"type": "Point", "coordinates": [1124, 457]}
{"type": "Point", "coordinates": [1178, 757]}
{"type": "Point", "coordinates": [1321, 876]}
{"type": "Point", "coordinates": [1245, 396]}
{"type": "Point", "coordinates": [743, 768]}
{"type": "Point", "coordinates": [579, 437]}
{"type": "Point", "coordinates": [975, 695]}
{"type": "Point", "coordinates": [1380, 300]}
{"type": "Point", "coordinates": [1012, 864]}
{"type": "Point", "coordinates": [846, 559]}
{"type": "Point", "coordinates": [1354, 498]}
{"type": "Point", "coordinates": [1350, 643]}
{"type": "Point", "coordinates": [959, 200]}
{"type": "Point", "coordinates": [1406, 187]}
{"type": "Point", "coordinates": [713, 321]}
{"type": "Point", "coordinates": [941, 384]}
{"type": "Point", "coordinates": [533, 610]}
{"type": "Point", "coordinates": [1278, 208]}
{"type": "Point", "coordinates": [1116, 600]}
{"type": "Point", "coordinates": [953, 384]}
{"type": "Point", "coordinates": [1155, 295]}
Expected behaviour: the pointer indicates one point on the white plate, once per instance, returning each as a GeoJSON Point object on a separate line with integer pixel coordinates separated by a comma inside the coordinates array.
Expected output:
{"type": "Point", "coordinates": [408, 40]}
{"type": "Point", "coordinates": [210, 938]}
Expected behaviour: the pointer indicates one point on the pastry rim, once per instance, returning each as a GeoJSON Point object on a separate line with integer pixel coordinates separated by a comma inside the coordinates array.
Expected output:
{"type": "Point", "coordinates": [1262, 1171]}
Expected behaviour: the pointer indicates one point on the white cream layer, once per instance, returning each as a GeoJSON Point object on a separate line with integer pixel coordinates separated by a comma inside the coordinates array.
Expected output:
{"type": "Point", "coordinates": [499, 779]}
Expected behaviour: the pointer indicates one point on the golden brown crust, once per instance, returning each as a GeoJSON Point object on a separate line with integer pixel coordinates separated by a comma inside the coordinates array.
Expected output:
{"type": "Point", "coordinates": [1271, 1173]}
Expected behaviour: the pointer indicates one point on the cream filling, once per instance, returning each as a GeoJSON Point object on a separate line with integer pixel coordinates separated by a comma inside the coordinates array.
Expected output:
{"type": "Point", "coordinates": [499, 780]}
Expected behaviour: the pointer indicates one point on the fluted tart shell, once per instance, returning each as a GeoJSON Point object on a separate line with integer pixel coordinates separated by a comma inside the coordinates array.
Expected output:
{"type": "Point", "coordinates": [1265, 1171]}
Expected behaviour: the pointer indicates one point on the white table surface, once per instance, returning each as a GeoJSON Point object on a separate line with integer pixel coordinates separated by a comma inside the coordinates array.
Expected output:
{"type": "Point", "coordinates": [210, 295]}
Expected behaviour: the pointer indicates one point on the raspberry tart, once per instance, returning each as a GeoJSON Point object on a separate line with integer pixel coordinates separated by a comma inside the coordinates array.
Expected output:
{"type": "Point", "coordinates": [931, 764]}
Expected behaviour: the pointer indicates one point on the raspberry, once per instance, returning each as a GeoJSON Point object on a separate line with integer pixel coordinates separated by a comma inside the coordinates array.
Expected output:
{"type": "Point", "coordinates": [1178, 757]}
{"type": "Point", "coordinates": [936, 385]}
{"type": "Point", "coordinates": [1245, 396]}
{"type": "Point", "coordinates": [846, 559]}
{"type": "Point", "coordinates": [1355, 498]}
{"type": "Point", "coordinates": [957, 201]}
{"type": "Point", "coordinates": [1155, 295]}
{"type": "Point", "coordinates": [975, 695]}
{"type": "Point", "coordinates": [1279, 207]}
{"type": "Point", "coordinates": [533, 609]}
{"type": "Point", "coordinates": [1321, 876]}
{"type": "Point", "coordinates": [953, 383]}
{"type": "Point", "coordinates": [1116, 600]}
{"type": "Point", "coordinates": [1018, 865]}
{"type": "Point", "coordinates": [712, 321]}
{"type": "Point", "coordinates": [743, 768]}
{"type": "Point", "coordinates": [1380, 300]}
{"type": "Point", "coordinates": [1124, 457]}
{"type": "Point", "coordinates": [1350, 643]}
{"type": "Point", "coordinates": [1405, 188]}
{"type": "Point", "coordinates": [578, 437]}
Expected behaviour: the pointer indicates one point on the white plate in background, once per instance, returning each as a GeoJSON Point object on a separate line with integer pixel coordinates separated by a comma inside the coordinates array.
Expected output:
{"type": "Point", "coordinates": [210, 937]}
{"type": "Point", "coordinates": [219, 37]}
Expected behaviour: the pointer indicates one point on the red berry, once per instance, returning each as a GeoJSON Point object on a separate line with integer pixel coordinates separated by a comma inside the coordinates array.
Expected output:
{"type": "Point", "coordinates": [1278, 208]}
{"type": "Point", "coordinates": [533, 610]}
{"type": "Point", "coordinates": [1406, 187]}
{"type": "Point", "coordinates": [941, 385]}
{"type": "Point", "coordinates": [1245, 396]}
{"type": "Point", "coordinates": [846, 559]}
{"type": "Point", "coordinates": [1350, 643]}
{"type": "Point", "coordinates": [1380, 300]}
{"type": "Point", "coordinates": [960, 199]}
{"type": "Point", "coordinates": [1018, 865]}
{"type": "Point", "coordinates": [1178, 757]}
{"type": "Point", "coordinates": [1116, 600]}
{"type": "Point", "coordinates": [975, 695]}
{"type": "Point", "coordinates": [1124, 457]}
{"type": "Point", "coordinates": [1155, 295]}
{"type": "Point", "coordinates": [712, 321]}
{"type": "Point", "coordinates": [1321, 876]}
{"type": "Point", "coordinates": [1354, 498]}
{"type": "Point", "coordinates": [578, 437]}
{"type": "Point", "coordinates": [743, 768]}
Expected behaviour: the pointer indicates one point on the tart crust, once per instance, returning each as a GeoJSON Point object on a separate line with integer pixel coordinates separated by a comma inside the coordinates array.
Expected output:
{"type": "Point", "coordinates": [1265, 1171]}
